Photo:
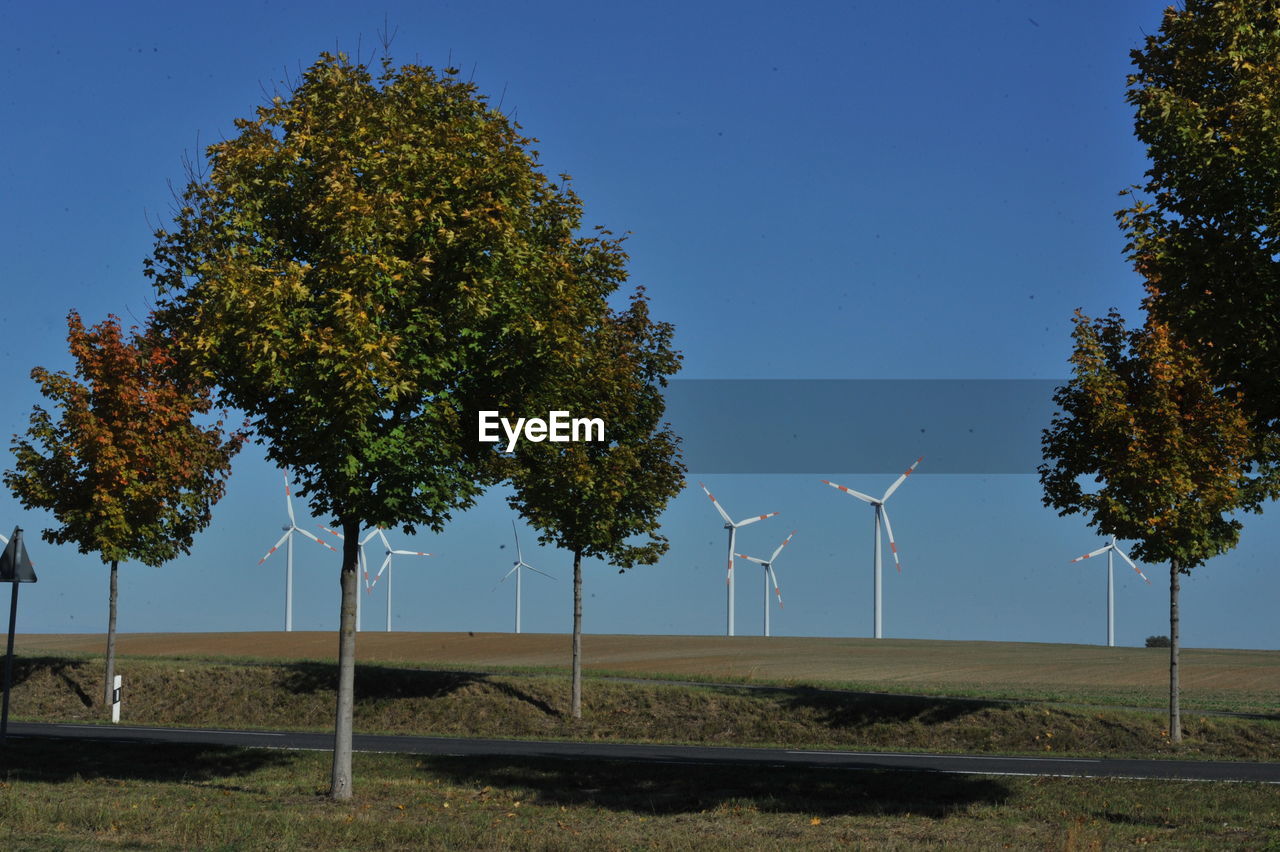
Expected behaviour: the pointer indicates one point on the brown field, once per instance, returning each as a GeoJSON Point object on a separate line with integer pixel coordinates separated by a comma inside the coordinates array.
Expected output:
{"type": "Point", "coordinates": [897, 665]}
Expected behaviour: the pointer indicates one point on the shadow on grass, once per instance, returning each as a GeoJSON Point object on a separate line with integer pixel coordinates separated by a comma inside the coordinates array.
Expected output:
{"type": "Point", "coordinates": [55, 761]}
{"type": "Point", "coordinates": [374, 682]}
{"type": "Point", "coordinates": [660, 788]}
{"type": "Point", "coordinates": [25, 668]}
{"type": "Point", "coordinates": [378, 683]}
{"type": "Point", "coordinates": [860, 710]}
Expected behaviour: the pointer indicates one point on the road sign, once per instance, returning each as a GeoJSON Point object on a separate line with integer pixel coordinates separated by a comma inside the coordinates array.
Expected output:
{"type": "Point", "coordinates": [15, 565]}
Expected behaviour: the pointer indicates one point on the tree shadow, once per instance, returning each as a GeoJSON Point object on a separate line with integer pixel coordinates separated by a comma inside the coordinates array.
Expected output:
{"type": "Point", "coordinates": [659, 788]}
{"type": "Point", "coordinates": [379, 683]}
{"type": "Point", "coordinates": [511, 692]}
{"type": "Point", "coordinates": [25, 668]}
{"type": "Point", "coordinates": [54, 760]}
{"type": "Point", "coordinates": [375, 683]}
{"type": "Point", "coordinates": [853, 710]}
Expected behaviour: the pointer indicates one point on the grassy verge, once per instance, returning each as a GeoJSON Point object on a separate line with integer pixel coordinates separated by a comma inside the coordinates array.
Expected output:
{"type": "Point", "coordinates": [457, 703]}
{"type": "Point", "coordinates": [1241, 690]}
{"type": "Point", "coordinates": [80, 795]}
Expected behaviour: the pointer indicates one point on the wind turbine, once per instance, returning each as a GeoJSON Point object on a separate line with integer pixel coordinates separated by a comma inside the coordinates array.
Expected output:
{"type": "Point", "coordinates": [386, 566]}
{"type": "Point", "coordinates": [1109, 549]}
{"type": "Point", "coordinates": [515, 569]}
{"type": "Point", "coordinates": [880, 515]}
{"type": "Point", "coordinates": [768, 575]}
{"type": "Point", "coordinates": [361, 561]}
{"type": "Point", "coordinates": [733, 534]}
{"type": "Point", "coordinates": [287, 539]}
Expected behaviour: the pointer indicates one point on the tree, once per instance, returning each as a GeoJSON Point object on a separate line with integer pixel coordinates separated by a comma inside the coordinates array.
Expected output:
{"type": "Point", "coordinates": [590, 498]}
{"type": "Point", "coordinates": [1204, 228]}
{"type": "Point", "coordinates": [1140, 416]}
{"type": "Point", "coordinates": [368, 263]}
{"type": "Point", "coordinates": [123, 466]}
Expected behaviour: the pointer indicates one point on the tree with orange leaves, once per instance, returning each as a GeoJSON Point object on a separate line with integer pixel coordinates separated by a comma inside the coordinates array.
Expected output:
{"type": "Point", "coordinates": [1172, 458]}
{"type": "Point", "coordinates": [122, 464]}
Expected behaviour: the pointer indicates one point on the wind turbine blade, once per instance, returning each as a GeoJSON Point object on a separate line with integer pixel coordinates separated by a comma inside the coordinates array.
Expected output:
{"type": "Point", "coordinates": [1132, 564]}
{"type": "Point", "coordinates": [901, 479]}
{"type": "Point", "coordinates": [893, 546]}
{"type": "Point", "coordinates": [536, 571]}
{"type": "Point", "coordinates": [386, 544]}
{"type": "Point", "coordinates": [331, 532]}
{"type": "Point", "coordinates": [508, 574]}
{"type": "Point", "coordinates": [779, 550]}
{"type": "Point", "coordinates": [378, 576]}
{"type": "Point", "coordinates": [1098, 552]}
{"type": "Point", "coordinates": [750, 558]}
{"type": "Point", "coordinates": [750, 521]}
{"type": "Point", "coordinates": [516, 533]}
{"type": "Point", "coordinates": [288, 500]}
{"type": "Point", "coordinates": [409, 553]}
{"type": "Point", "coordinates": [777, 589]}
{"type": "Point", "coordinates": [716, 503]}
{"type": "Point", "coordinates": [851, 492]}
{"type": "Point", "coordinates": [316, 539]}
{"type": "Point", "coordinates": [273, 549]}
{"type": "Point", "coordinates": [369, 536]}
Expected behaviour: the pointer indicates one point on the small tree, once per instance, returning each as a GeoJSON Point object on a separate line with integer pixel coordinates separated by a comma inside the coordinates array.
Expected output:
{"type": "Point", "coordinates": [591, 497]}
{"type": "Point", "coordinates": [1141, 418]}
{"type": "Point", "coordinates": [122, 466]}
{"type": "Point", "coordinates": [369, 263]}
{"type": "Point", "coordinates": [1204, 226]}
{"type": "Point", "coordinates": [1158, 642]}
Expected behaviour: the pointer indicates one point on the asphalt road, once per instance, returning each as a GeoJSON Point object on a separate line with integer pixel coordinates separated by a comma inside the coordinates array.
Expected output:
{"type": "Point", "coordinates": [1187, 770]}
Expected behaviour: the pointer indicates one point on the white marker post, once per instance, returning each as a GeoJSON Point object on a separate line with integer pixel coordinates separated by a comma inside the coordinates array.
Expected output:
{"type": "Point", "coordinates": [115, 701]}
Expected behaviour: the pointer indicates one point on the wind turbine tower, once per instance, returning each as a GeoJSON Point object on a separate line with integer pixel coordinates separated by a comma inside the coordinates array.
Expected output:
{"type": "Point", "coordinates": [1110, 549]}
{"type": "Point", "coordinates": [767, 564]}
{"type": "Point", "coordinates": [386, 566]}
{"type": "Point", "coordinates": [515, 569]}
{"type": "Point", "coordinates": [732, 527]}
{"type": "Point", "coordinates": [881, 516]}
{"type": "Point", "coordinates": [287, 540]}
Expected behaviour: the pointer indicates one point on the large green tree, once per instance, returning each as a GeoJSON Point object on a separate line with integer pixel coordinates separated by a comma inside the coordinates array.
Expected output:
{"type": "Point", "coordinates": [369, 261]}
{"type": "Point", "coordinates": [122, 463]}
{"type": "Point", "coordinates": [593, 498]}
{"type": "Point", "coordinates": [1170, 458]}
{"type": "Point", "coordinates": [1204, 226]}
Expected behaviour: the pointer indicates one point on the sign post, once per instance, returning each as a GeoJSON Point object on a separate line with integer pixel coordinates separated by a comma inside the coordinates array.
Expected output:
{"type": "Point", "coordinates": [115, 701]}
{"type": "Point", "coordinates": [15, 568]}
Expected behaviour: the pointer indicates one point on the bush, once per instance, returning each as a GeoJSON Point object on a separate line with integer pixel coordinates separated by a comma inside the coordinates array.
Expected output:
{"type": "Point", "coordinates": [1157, 641]}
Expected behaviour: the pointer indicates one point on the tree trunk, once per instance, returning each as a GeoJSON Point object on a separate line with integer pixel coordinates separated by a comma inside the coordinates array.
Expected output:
{"type": "Point", "coordinates": [1175, 716]}
{"type": "Point", "coordinates": [575, 703]}
{"type": "Point", "coordinates": [340, 782]}
{"type": "Point", "coordinates": [108, 686]}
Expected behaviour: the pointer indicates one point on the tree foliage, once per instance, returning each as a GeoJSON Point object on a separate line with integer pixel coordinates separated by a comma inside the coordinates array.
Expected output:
{"type": "Point", "coordinates": [369, 262]}
{"type": "Point", "coordinates": [589, 497]}
{"type": "Point", "coordinates": [1173, 458]}
{"type": "Point", "coordinates": [1204, 227]}
{"type": "Point", "coordinates": [122, 463]}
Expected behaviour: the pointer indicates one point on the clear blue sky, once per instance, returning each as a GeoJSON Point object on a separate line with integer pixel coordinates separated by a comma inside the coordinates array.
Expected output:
{"type": "Point", "coordinates": [847, 190]}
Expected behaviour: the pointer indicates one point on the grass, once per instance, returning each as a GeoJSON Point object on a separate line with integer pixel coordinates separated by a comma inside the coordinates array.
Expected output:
{"type": "Point", "coordinates": [1212, 679]}
{"type": "Point", "coordinates": [85, 795]}
{"type": "Point", "coordinates": [300, 696]}
{"type": "Point", "coordinates": [56, 795]}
